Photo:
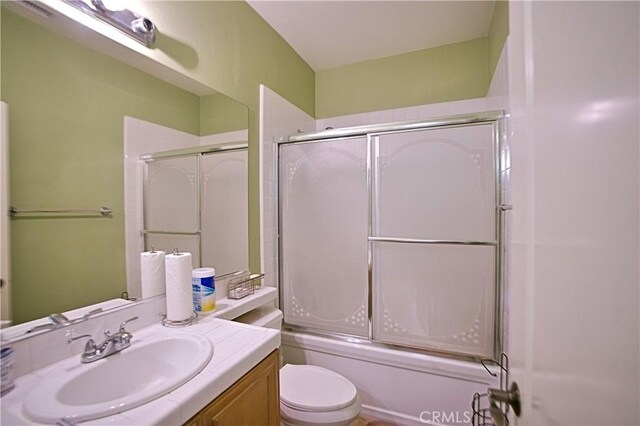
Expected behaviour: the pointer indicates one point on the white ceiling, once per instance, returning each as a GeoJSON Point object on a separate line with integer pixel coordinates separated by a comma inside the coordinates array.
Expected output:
{"type": "Point", "coordinates": [328, 34]}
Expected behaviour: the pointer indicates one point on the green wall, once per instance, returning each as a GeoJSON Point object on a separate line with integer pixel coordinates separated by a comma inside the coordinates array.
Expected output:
{"type": "Point", "coordinates": [498, 32]}
{"type": "Point", "coordinates": [66, 107]}
{"type": "Point", "coordinates": [445, 73]}
{"type": "Point", "coordinates": [219, 114]}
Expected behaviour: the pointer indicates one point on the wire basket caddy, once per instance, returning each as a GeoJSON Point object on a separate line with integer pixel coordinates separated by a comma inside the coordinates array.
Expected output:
{"type": "Point", "coordinates": [481, 404]}
{"type": "Point", "coordinates": [244, 285]}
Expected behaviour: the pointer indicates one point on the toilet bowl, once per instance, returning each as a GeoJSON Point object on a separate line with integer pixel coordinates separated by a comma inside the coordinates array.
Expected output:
{"type": "Point", "coordinates": [309, 395]}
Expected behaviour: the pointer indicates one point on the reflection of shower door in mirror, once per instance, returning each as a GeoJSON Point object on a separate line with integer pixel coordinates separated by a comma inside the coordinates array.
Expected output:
{"type": "Point", "coordinates": [425, 227]}
{"type": "Point", "coordinates": [323, 214]}
{"type": "Point", "coordinates": [198, 203]}
{"type": "Point", "coordinates": [172, 206]}
{"type": "Point", "coordinates": [225, 211]}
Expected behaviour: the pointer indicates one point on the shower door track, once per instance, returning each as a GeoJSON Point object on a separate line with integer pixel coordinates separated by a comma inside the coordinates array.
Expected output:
{"type": "Point", "coordinates": [454, 120]}
{"type": "Point", "coordinates": [497, 118]}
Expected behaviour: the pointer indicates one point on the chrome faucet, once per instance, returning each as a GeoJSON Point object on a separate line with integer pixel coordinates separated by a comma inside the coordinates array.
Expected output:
{"type": "Point", "coordinates": [112, 343]}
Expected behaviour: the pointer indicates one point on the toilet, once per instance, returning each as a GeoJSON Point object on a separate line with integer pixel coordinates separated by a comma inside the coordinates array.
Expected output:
{"type": "Point", "coordinates": [309, 395]}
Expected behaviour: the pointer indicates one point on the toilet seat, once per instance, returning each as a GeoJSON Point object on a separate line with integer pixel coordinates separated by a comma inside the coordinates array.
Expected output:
{"type": "Point", "coordinates": [315, 389]}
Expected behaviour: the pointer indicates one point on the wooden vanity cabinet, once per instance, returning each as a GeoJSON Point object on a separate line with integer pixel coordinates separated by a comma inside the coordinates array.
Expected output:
{"type": "Point", "coordinates": [254, 400]}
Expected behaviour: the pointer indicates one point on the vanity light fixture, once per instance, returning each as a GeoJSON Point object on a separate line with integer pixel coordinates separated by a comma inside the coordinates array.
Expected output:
{"type": "Point", "coordinates": [115, 14]}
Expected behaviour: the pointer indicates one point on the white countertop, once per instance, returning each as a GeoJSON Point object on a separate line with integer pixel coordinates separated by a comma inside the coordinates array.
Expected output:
{"type": "Point", "coordinates": [237, 348]}
{"type": "Point", "coordinates": [233, 308]}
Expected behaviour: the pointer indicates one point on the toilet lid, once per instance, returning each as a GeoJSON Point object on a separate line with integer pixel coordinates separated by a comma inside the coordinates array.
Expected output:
{"type": "Point", "coordinates": [311, 388]}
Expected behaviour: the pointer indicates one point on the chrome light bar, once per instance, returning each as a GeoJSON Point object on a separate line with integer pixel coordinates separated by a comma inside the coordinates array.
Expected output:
{"type": "Point", "coordinates": [135, 26]}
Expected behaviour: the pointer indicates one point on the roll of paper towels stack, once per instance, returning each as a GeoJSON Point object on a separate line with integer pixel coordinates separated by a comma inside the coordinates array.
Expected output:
{"type": "Point", "coordinates": [178, 278]}
{"type": "Point", "coordinates": [152, 273]}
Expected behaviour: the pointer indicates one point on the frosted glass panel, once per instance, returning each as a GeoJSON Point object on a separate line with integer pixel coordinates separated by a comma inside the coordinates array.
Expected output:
{"type": "Point", "coordinates": [323, 196]}
{"type": "Point", "coordinates": [225, 244]}
{"type": "Point", "coordinates": [436, 184]}
{"type": "Point", "coordinates": [171, 195]}
{"type": "Point", "coordinates": [166, 243]}
{"type": "Point", "coordinates": [435, 297]}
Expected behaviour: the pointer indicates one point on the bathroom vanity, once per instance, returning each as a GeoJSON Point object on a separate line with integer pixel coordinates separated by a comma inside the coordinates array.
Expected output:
{"type": "Point", "coordinates": [237, 385]}
{"type": "Point", "coordinates": [252, 400]}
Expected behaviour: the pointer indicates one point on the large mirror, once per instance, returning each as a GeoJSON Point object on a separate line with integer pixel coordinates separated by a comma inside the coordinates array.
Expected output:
{"type": "Point", "coordinates": [77, 120]}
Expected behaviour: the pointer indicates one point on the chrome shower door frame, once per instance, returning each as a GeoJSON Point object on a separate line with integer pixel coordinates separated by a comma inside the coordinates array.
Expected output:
{"type": "Point", "coordinates": [372, 133]}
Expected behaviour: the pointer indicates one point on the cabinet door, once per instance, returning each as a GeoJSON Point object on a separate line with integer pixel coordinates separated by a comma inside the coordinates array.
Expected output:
{"type": "Point", "coordinates": [192, 422]}
{"type": "Point", "coordinates": [252, 400]}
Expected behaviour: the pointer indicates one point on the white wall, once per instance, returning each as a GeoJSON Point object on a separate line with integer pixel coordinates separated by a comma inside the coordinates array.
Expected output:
{"type": "Point", "coordinates": [574, 302]}
{"type": "Point", "coordinates": [278, 117]}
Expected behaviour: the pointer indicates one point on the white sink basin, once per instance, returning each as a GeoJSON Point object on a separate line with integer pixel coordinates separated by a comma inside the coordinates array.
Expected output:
{"type": "Point", "coordinates": [148, 369]}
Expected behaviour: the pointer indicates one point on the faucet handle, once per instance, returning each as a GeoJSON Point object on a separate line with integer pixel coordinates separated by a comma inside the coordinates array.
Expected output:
{"type": "Point", "coordinates": [72, 339]}
{"type": "Point", "coordinates": [122, 330]}
{"type": "Point", "coordinates": [90, 347]}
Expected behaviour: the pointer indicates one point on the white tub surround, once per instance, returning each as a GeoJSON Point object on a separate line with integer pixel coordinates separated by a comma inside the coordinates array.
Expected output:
{"type": "Point", "coordinates": [237, 348]}
{"type": "Point", "coordinates": [397, 386]}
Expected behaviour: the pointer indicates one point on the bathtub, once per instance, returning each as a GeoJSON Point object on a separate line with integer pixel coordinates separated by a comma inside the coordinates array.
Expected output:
{"type": "Point", "coordinates": [405, 388]}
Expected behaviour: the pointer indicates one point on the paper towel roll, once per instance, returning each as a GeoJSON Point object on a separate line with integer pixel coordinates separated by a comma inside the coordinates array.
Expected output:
{"type": "Point", "coordinates": [178, 279]}
{"type": "Point", "coordinates": [152, 273]}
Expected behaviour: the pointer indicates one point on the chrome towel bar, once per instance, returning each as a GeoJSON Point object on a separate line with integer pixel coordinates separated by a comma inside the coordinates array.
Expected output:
{"type": "Point", "coordinates": [104, 211]}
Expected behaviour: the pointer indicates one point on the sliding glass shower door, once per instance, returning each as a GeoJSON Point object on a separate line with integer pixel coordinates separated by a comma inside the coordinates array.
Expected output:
{"type": "Point", "coordinates": [394, 236]}
{"type": "Point", "coordinates": [323, 197]}
{"type": "Point", "coordinates": [434, 239]}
